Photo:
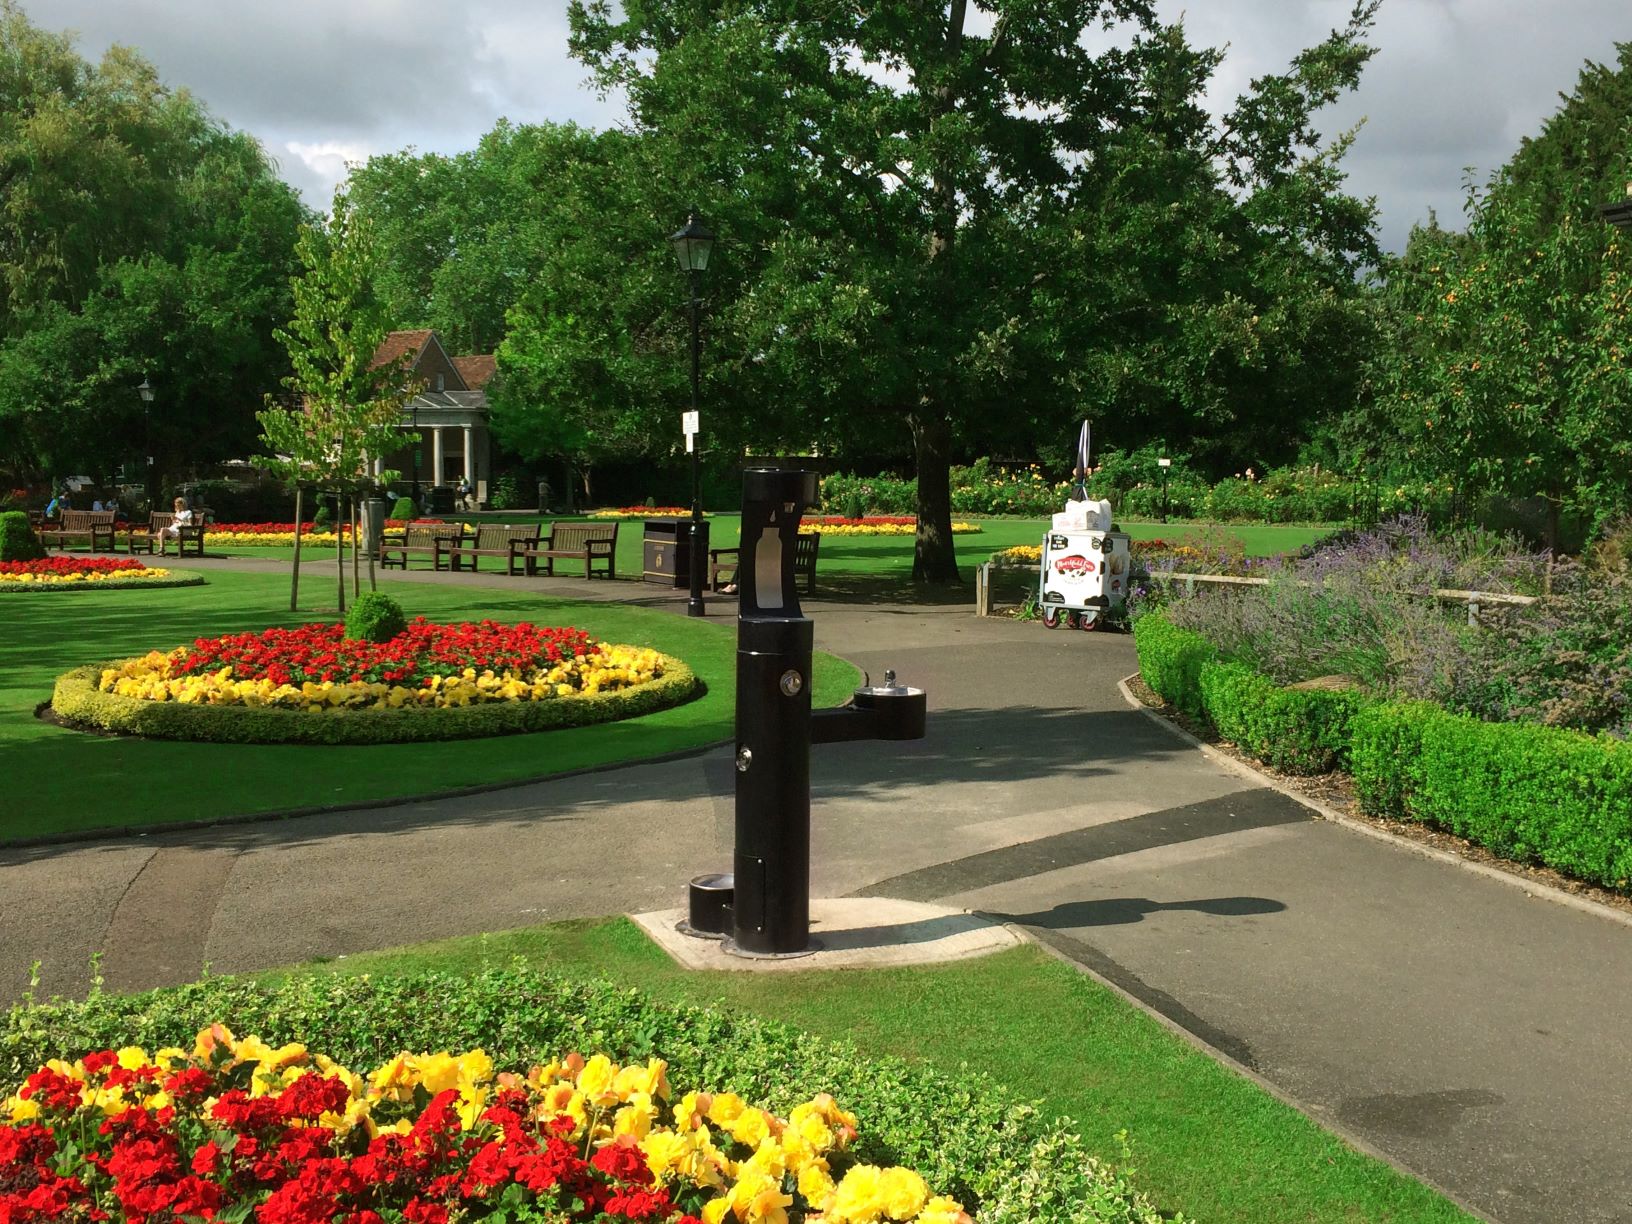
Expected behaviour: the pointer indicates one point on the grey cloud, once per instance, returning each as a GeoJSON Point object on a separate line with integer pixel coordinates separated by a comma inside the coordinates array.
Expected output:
{"type": "Point", "coordinates": [1455, 82]}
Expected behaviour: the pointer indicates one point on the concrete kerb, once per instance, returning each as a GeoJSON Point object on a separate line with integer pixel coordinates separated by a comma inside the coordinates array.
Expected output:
{"type": "Point", "coordinates": [1531, 888]}
{"type": "Point", "coordinates": [851, 933]}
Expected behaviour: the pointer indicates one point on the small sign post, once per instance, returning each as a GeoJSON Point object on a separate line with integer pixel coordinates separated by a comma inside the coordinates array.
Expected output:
{"type": "Point", "coordinates": [1164, 464]}
{"type": "Point", "coordinates": [691, 423]}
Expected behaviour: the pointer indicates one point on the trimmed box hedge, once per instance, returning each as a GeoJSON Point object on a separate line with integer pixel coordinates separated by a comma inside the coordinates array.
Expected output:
{"type": "Point", "coordinates": [1529, 793]}
{"type": "Point", "coordinates": [1170, 661]}
{"type": "Point", "coordinates": [1535, 794]}
{"type": "Point", "coordinates": [77, 699]}
{"type": "Point", "coordinates": [1297, 731]}
{"type": "Point", "coordinates": [966, 1134]}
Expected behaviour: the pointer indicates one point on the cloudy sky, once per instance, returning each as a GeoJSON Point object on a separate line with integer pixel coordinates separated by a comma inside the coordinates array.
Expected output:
{"type": "Point", "coordinates": [1455, 83]}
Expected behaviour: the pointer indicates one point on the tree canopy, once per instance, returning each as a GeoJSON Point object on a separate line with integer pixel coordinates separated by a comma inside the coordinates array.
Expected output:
{"type": "Point", "coordinates": [139, 238]}
{"type": "Point", "coordinates": [976, 221]}
{"type": "Point", "coordinates": [1505, 367]}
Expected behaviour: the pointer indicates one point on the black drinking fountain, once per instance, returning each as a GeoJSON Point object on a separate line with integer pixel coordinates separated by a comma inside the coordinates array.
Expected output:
{"type": "Point", "coordinates": [762, 909]}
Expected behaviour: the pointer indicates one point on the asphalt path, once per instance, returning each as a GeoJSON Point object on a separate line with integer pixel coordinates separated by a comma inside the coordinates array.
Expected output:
{"type": "Point", "coordinates": [1469, 1031]}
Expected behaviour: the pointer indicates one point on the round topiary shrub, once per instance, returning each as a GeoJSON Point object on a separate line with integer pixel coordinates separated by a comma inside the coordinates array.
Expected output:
{"type": "Point", "coordinates": [17, 539]}
{"type": "Point", "coordinates": [404, 509]}
{"type": "Point", "coordinates": [375, 618]}
{"type": "Point", "coordinates": [321, 520]}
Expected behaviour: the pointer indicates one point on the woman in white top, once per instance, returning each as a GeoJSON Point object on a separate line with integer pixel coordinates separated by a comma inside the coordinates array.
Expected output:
{"type": "Point", "coordinates": [183, 518]}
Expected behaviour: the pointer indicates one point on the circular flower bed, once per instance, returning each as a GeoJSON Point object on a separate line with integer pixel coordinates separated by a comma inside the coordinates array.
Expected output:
{"type": "Point", "coordinates": [428, 682]}
{"type": "Point", "coordinates": [87, 573]}
{"type": "Point", "coordinates": [878, 524]}
{"type": "Point", "coordinates": [236, 1125]}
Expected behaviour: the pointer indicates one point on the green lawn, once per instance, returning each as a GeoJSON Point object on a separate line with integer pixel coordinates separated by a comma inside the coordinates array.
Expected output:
{"type": "Point", "coordinates": [1206, 1141]}
{"type": "Point", "coordinates": [76, 781]}
{"type": "Point", "coordinates": [889, 558]}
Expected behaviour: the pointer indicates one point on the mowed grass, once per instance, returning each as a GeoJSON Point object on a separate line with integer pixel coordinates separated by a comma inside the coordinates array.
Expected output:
{"type": "Point", "coordinates": [889, 558]}
{"type": "Point", "coordinates": [1205, 1140]}
{"type": "Point", "coordinates": [62, 781]}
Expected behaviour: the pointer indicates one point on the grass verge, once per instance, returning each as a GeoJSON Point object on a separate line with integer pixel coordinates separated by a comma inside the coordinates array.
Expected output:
{"type": "Point", "coordinates": [1205, 1141]}
{"type": "Point", "coordinates": [78, 782]}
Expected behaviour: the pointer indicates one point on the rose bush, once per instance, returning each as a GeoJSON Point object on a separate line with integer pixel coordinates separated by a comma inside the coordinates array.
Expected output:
{"type": "Point", "coordinates": [235, 1126]}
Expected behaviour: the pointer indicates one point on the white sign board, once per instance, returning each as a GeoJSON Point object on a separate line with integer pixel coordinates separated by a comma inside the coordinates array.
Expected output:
{"type": "Point", "coordinates": [689, 424]}
{"type": "Point", "coordinates": [1164, 463]}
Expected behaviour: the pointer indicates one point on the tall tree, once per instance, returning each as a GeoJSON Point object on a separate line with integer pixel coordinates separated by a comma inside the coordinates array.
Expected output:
{"type": "Point", "coordinates": [138, 239]}
{"type": "Point", "coordinates": [901, 182]}
{"type": "Point", "coordinates": [1508, 373]}
{"type": "Point", "coordinates": [348, 410]}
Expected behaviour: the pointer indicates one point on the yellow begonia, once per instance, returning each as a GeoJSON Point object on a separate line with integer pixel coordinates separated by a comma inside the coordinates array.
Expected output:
{"type": "Point", "coordinates": [623, 1103]}
{"type": "Point", "coordinates": [149, 678]}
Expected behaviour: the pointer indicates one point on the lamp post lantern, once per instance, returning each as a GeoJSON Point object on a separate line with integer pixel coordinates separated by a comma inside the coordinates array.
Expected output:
{"type": "Point", "coordinates": [146, 392]}
{"type": "Point", "coordinates": [692, 246]}
{"type": "Point", "coordinates": [1164, 463]}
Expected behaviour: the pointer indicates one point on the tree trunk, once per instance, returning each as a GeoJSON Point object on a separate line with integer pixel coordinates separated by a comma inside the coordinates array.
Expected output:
{"type": "Point", "coordinates": [933, 557]}
{"type": "Point", "coordinates": [356, 540]}
{"type": "Point", "coordinates": [294, 573]}
{"type": "Point", "coordinates": [340, 552]}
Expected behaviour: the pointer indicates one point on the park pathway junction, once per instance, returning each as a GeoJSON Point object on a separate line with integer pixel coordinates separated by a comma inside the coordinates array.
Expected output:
{"type": "Point", "coordinates": [1463, 1027]}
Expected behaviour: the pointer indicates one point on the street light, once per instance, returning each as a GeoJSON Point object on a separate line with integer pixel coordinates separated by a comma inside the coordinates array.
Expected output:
{"type": "Point", "coordinates": [692, 246]}
{"type": "Point", "coordinates": [146, 392]}
{"type": "Point", "coordinates": [1164, 463]}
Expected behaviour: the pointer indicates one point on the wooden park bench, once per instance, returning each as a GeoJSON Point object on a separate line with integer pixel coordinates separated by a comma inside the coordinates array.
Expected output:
{"type": "Point", "coordinates": [93, 525]}
{"type": "Point", "coordinates": [490, 540]}
{"type": "Point", "coordinates": [805, 544]}
{"type": "Point", "coordinates": [399, 546]}
{"type": "Point", "coordinates": [189, 537]}
{"type": "Point", "coordinates": [586, 542]}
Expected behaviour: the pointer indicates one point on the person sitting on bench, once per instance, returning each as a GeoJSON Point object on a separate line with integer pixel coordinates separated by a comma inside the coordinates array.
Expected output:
{"type": "Point", "coordinates": [183, 518]}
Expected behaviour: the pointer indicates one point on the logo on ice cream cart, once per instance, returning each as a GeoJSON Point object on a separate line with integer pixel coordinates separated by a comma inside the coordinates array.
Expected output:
{"type": "Point", "coordinates": [1074, 567]}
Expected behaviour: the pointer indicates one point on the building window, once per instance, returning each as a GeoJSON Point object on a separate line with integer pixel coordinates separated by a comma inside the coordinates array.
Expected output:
{"type": "Point", "coordinates": [439, 378]}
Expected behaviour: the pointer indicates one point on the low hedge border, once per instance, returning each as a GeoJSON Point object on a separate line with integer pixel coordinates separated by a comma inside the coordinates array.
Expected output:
{"type": "Point", "coordinates": [1528, 793]}
{"type": "Point", "coordinates": [77, 699]}
{"type": "Point", "coordinates": [108, 584]}
{"type": "Point", "coordinates": [1534, 794]}
{"type": "Point", "coordinates": [966, 1134]}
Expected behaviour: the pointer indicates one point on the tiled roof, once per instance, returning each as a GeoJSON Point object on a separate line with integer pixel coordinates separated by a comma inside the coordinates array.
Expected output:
{"type": "Point", "coordinates": [400, 344]}
{"type": "Point", "coordinates": [476, 370]}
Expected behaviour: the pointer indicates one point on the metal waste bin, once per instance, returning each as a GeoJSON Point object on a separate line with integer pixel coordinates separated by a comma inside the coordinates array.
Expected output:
{"type": "Point", "coordinates": [667, 551]}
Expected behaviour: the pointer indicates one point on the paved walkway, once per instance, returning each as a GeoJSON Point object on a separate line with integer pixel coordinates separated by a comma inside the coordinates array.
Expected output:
{"type": "Point", "coordinates": [1468, 1030]}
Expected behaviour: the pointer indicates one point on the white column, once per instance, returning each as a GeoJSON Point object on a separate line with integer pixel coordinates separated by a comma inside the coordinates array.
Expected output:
{"type": "Point", "coordinates": [470, 456]}
{"type": "Point", "coordinates": [436, 455]}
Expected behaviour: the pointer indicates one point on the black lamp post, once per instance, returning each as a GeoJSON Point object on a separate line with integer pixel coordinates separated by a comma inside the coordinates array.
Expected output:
{"type": "Point", "coordinates": [146, 392]}
{"type": "Point", "coordinates": [1164, 463]}
{"type": "Point", "coordinates": [692, 246]}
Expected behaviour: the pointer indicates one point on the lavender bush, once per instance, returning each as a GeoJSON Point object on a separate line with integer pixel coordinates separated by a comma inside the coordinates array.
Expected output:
{"type": "Point", "coordinates": [1361, 605]}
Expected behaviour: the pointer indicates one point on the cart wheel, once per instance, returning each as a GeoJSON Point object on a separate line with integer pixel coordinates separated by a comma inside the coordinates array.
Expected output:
{"type": "Point", "coordinates": [1053, 617]}
{"type": "Point", "coordinates": [1088, 621]}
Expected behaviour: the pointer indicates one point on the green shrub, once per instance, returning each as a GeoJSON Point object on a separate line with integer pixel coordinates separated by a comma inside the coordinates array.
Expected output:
{"type": "Point", "coordinates": [77, 698]}
{"type": "Point", "coordinates": [1535, 794]}
{"type": "Point", "coordinates": [506, 493]}
{"type": "Point", "coordinates": [17, 539]}
{"type": "Point", "coordinates": [1298, 731]}
{"type": "Point", "coordinates": [1385, 755]}
{"type": "Point", "coordinates": [965, 1133]}
{"type": "Point", "coordinates": [375, 617]}
{"type": "Point", "coordinates": [404, 509]}
{"type": "Point", "coordinates": [1170, 661]}
{"type": "Point", "coordinates": [322, 520]}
